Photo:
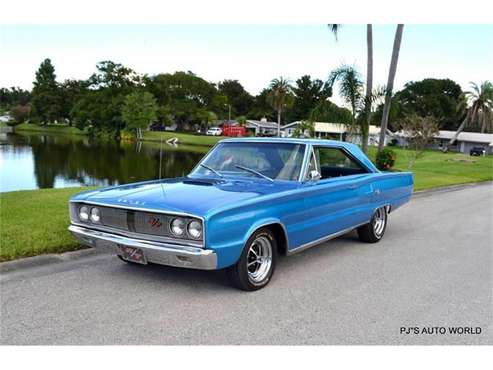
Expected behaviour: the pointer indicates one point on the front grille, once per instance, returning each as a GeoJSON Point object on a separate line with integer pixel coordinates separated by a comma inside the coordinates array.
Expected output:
{"type": "Point", "coordinates": [152, 223]}
{"type": "Point", "coordinates": [139, 222]}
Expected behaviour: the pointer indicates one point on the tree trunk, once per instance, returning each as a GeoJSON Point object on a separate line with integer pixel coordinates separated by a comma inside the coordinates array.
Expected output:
{"type": "Point", "coordinates": [469, 117]}
{"type": "Point", "coordinates": [390, 85]}
{"type": "Point", "coordinates": [279, 123]}
{"type": "Point", "coordinates": [369, 88]}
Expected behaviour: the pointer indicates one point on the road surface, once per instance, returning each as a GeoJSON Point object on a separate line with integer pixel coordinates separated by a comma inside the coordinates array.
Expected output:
{"type": "Point", "coordinates": [433, 270]}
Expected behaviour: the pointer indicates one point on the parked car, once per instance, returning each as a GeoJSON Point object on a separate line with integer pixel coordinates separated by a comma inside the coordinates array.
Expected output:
{"type": "Point", "coordinates": [214, 131]}
{"type": "Point", "coordinates": [246, 202]}
{"type": "Point", "coordinates": [477, 151]}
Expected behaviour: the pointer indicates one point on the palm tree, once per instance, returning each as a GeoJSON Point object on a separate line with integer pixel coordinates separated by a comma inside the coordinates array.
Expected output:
{"type": "Point", "coordinates": [480, 111]}
{"type": "Point", "coordinates": [390, 85]}
{"type": "Point", "coordinates": [280, 96]}
{"type": "Point", "coordinates": [350, 88]}
{"type": "Point", "coordinates": [365, 126]}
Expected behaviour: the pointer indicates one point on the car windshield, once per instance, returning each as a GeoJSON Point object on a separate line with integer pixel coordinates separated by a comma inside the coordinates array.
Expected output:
{"type": "Point", "coordinates": [278, 161]}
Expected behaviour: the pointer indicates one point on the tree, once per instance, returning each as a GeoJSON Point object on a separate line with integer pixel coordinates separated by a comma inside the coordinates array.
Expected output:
{"type": "Point", "coordinates": [262, 106]}
{"type": "Point", "coordinates": [71, 91]}
{"type": "Point", "coordinates": [184, 94]}
{"type": "Point", "coordinates": [14, 96]}
{"type": "Point", "coordinates": [308, 94]}
{"type": "Point", "coordinates": [350, 89]}
{"type": "Point", "coordinates": [99, 107]}
{"type": "Point", "coordinates": [139, 110]}
{"type": "Point", "coordinates": [240, 100]}
{"type": "Point", "coordinates": [420, 131]}
{"type": "Point", "coordinates": [365, 125]}
{"type": "Point", "coordinates": [280, 97]}
{"type": "Point", "coordinates": [20, 113]}
{"type": "Point", "coordinates": [390, 85]}
{"type": "Point", "coordinates": [46, 99]}
{"type": "Point", "coordinates": [440, 98]}
{"type": "Point", "coordinates": [326, 111]}
{"type": "Point", "coordinates": [304, 129]}
{"type": "Point", "coordinates": [480, 111]}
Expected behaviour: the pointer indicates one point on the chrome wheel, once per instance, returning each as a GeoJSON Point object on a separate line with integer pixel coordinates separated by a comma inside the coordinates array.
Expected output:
{"type": "Point", "coordinates": [259, 259]}
{"type": "Point", "coordinates": [379, 221]}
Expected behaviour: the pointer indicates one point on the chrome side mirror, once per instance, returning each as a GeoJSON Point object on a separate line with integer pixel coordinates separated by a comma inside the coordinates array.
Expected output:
{"type": "Point", "coordinates": [314, 175]}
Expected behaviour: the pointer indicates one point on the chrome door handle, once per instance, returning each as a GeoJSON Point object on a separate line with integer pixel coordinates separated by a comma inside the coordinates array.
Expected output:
{"type": "Point", "coordinates": [376, 191]}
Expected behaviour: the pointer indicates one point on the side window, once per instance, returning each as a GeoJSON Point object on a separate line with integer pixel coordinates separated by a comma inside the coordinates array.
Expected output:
{"type": "Point", "coordinates": [334, 162]}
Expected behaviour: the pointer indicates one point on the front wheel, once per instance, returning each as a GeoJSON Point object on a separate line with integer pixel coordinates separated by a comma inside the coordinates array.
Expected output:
{"type": "Point", "coordinates": [257, 262]}
{"type": "Point", "coordinates": [373, 231]}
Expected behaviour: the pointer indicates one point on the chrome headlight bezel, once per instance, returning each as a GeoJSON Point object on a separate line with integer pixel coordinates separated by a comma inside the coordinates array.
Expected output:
{"type": "Point", "coordinates": [83, 213]}
{"type": "Point", "coordinates": [195, 225]}
{"type": "Point", "coordinates": [178, 227]}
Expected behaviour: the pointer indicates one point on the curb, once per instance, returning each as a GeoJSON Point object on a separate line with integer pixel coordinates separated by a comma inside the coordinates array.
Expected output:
{"type": "Point", "coordinates": [46, 259]}
{"type": "Point", "coordinates": [445, 189]}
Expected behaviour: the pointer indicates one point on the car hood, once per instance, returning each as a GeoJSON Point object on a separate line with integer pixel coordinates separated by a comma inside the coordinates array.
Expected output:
{"type": "Point", "coordinates": [197, 196]}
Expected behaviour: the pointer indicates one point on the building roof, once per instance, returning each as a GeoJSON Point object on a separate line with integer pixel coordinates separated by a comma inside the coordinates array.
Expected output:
{"type": "Point", "coordinates": [261, 123]}
{"type": "Point", "coordinates": [334, 128]}
{"type": "Point", "coordinates": [472, 137]}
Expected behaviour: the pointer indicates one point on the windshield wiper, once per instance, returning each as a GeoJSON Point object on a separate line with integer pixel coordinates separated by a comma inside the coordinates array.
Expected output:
{"type": "Point", "coordinates": [211, 169]}
{"type": "Point", "coordinates": [254, 172]}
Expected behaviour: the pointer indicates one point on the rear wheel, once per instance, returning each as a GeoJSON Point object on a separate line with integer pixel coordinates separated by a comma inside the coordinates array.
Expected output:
{"type": "Point", "coordinates": [257, 262]}
{"type": "Point", "coordinates": [374, 231]}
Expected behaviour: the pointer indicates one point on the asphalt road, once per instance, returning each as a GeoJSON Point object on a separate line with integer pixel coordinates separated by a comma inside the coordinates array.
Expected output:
{"type": "Point", "coordinates": [433, 269]}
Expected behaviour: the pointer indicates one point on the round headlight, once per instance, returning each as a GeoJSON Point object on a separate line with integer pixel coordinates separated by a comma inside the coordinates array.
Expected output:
{"type": "Point", "coordinates": [178, 226]}
{"type": "Point", "coordinates": [95, 214]}
{"type": "Point", "coordinates": [84, 213]}
{"type": "Point", "coordinates": [195, 229]}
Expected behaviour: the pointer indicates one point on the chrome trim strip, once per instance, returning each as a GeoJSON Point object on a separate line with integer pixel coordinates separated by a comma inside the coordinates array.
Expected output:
{"type": "Point", "coordinates": [149, 237]}
{"type": "Point", "coordinates": [160, 253]}
{"type": "Point", "coordinates": [323, 239]}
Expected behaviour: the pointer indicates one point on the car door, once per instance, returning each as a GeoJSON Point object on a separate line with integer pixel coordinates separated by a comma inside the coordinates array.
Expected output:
{"type": "Point", "coordinates": [339, 199]}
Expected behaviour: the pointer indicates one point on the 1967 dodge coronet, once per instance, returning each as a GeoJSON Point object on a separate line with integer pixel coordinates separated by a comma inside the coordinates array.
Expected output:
{"type": "Point", "coordinates": [247, 202]}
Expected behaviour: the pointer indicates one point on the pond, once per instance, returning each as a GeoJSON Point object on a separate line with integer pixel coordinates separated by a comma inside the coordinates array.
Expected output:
{"type": "Point", "coordinates": [38, 161]}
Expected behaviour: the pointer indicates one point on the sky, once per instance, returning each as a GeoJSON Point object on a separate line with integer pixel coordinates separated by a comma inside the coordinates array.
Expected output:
{"type": "Point", "coordinates": [253, 54]}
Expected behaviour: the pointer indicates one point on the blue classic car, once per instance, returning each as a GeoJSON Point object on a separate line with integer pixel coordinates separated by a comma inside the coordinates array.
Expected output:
{"type": "Point", "coordinates": [247, 202]}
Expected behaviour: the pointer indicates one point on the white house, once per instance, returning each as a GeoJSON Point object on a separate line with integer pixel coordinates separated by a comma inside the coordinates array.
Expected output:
{"type": "Point", "coordinates": [464, 143]}
{"type": "Point", "coordinates": [262, 127]}
{"type": "Point", "coordinates": [337, 131]}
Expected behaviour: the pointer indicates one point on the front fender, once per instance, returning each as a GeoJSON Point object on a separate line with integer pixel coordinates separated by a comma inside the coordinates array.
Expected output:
{"type": "Point", "coordinates": [227, 234]}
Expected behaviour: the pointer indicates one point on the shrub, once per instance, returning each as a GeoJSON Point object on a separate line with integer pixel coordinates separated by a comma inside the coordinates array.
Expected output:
{"type": "Point", "coordinates": [386, 159]}
{"type": "Point", "coordinates": [19, 113]}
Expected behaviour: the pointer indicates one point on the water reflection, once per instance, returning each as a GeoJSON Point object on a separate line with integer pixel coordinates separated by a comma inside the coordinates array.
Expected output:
{"type": "Point", "coordinates": [31, 161]}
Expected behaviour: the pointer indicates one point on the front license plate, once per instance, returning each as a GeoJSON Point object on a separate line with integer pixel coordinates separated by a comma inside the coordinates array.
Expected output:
{"type": "Point", "coordinates": [132, 254]}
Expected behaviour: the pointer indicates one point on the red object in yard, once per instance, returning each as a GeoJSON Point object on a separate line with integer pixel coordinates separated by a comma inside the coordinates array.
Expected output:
{"type": "Point", "coordinates": [234, 130]}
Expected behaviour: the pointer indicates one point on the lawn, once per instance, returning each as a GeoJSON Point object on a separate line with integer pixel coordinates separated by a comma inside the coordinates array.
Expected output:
{"type": "Point", "coordinates": [35, 222]}
{"type": "Point", "coordinates": [436, 169]}
{"type": "Point", "coordinates": [49, 129]}
{"type": "Point", "coordinates": [183, 138]}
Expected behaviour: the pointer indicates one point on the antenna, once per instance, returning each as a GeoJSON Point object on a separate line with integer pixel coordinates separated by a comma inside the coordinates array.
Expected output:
{"type": "Point", "coordinates": [160, 161]}
{"type": "Point", "coordinates": [160, 155]}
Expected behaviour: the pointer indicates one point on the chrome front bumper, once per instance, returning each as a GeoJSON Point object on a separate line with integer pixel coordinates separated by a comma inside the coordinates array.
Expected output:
{"type": "Point", "coordinates": [155, 252]}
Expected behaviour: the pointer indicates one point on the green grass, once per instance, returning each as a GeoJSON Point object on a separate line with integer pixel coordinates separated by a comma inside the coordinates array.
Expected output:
{"type": "Point", "coordinates": [436, 169]}
{"type": "Point", "coordinates": [49, 129]}
{"type": "Point", "coordinates": [183, 138]}
{"type": "Point", "coordinates": [35, 222]}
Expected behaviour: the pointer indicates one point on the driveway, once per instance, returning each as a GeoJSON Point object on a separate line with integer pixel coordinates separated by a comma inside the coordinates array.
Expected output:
{"type": "Point", "coordinates": [432, 270]}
